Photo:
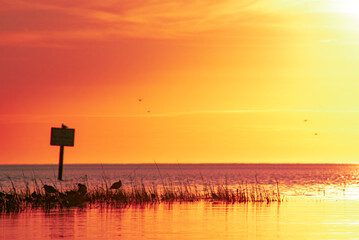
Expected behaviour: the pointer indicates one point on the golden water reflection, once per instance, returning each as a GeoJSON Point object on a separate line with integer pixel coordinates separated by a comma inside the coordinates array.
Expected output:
{"type": "Point", "coordinates": [294, 219]}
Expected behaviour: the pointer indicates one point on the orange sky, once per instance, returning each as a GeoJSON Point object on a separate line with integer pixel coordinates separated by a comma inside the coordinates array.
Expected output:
{"type": "Point", "coordinates": [224, 81]}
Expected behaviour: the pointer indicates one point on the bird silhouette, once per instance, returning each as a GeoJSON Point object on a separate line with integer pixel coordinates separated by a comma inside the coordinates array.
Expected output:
{"type": "Point", "coordinates": [140, 99]}
{"type": "Point", "coordinates": [82, 189]}
{"type": "Point", "coordinates": [49, 189]}
{"type": "Point", "coordinates": [116, 185]}
{"type": "Point", "coordinates": [35, 195]}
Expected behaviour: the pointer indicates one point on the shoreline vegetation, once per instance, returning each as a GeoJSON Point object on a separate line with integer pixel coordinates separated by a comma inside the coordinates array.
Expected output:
{"type": "Point", "coordinates": [47, 197]}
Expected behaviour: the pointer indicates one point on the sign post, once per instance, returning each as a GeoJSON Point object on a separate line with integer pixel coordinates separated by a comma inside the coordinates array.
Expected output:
{"type": "Point", "coordinates": [62, 137]}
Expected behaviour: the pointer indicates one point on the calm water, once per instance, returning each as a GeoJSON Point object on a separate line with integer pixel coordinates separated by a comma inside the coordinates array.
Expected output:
{"type": "Point", "coordinates": [327, 180]}
{"type": "Point", "coordinates": [322, 203]}
{"type": "Point", "coordinates": [329, 219]}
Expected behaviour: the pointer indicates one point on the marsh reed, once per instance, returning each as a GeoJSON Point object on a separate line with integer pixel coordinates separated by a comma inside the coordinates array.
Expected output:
{"type": "Point", "coordinates": [17, 200]}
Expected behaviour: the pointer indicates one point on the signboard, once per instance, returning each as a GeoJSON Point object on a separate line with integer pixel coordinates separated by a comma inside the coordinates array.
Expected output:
{"type": "Point", "coordinates": [62, 136]}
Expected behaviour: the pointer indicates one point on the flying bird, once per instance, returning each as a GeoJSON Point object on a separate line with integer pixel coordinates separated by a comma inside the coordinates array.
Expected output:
{"type": "Point", "coordinates": [315, 133]}
{"type": "Point", "coordinates": [116, 185]}
{"type": "Point", "coordinates": [140, 99]}
{"type": "Point", "coordinates": [305, 120]}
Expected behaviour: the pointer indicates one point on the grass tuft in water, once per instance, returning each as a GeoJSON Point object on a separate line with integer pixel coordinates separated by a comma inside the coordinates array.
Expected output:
{"type": "Point", "coordinates": [17, 200]}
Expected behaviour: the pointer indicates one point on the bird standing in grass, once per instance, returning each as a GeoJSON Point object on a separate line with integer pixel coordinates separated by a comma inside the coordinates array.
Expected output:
{"type": "Point", "coordinates": [35, 195]}
{"type": "Point", "coordinates": [49, 189]}
{"type": "Point", "coordinates": [116, 185]}
{"type": "Point", "coordinates": [82, 189]}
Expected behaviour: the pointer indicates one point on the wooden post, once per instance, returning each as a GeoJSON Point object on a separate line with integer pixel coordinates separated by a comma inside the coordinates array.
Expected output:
{"type": "Point", "coordinates": [61, 162]}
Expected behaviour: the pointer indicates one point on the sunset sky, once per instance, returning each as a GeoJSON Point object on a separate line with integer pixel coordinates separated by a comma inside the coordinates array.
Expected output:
{"type": "Point", "coordinates": [267, 81]}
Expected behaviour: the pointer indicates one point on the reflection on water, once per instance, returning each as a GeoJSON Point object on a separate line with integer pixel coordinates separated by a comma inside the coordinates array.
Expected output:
{"type": "Point", "coordinates": [322, 202]}
{"type": "Point", "coordinates": [293, 219]}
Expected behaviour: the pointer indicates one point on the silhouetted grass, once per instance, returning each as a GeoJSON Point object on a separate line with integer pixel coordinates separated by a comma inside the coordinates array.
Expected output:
{"type": "Point", "coordinates": [15, 200]}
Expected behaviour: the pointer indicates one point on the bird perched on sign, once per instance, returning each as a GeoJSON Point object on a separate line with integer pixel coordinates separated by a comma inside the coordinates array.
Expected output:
{"type": "Point", "coordinates": [116, 185]}
{"type": "Point", "coordinates": [49, 189]}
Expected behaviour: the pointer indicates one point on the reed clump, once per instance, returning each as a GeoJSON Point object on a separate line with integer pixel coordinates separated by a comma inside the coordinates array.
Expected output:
{"type": "Point", "coordinates": [49, 196]}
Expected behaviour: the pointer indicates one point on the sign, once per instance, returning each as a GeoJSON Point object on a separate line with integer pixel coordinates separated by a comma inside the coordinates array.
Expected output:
{"type": "Point", "coordinates": [62, 136]}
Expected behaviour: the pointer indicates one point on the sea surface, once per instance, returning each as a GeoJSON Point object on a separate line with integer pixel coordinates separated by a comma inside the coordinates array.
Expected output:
{"type": "Point", "coordinates": [324, 180]}
{"type": "Point", "coordinates": [321, 202]}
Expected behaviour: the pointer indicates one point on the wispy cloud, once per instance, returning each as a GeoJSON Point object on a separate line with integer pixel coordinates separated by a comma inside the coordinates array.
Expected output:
{"type": "Point", "coordinates": [170, 114]}
{"type": "Point", "coordinates": [244, 111]}
{"type": "Point", "coordinates": [47, 21]}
